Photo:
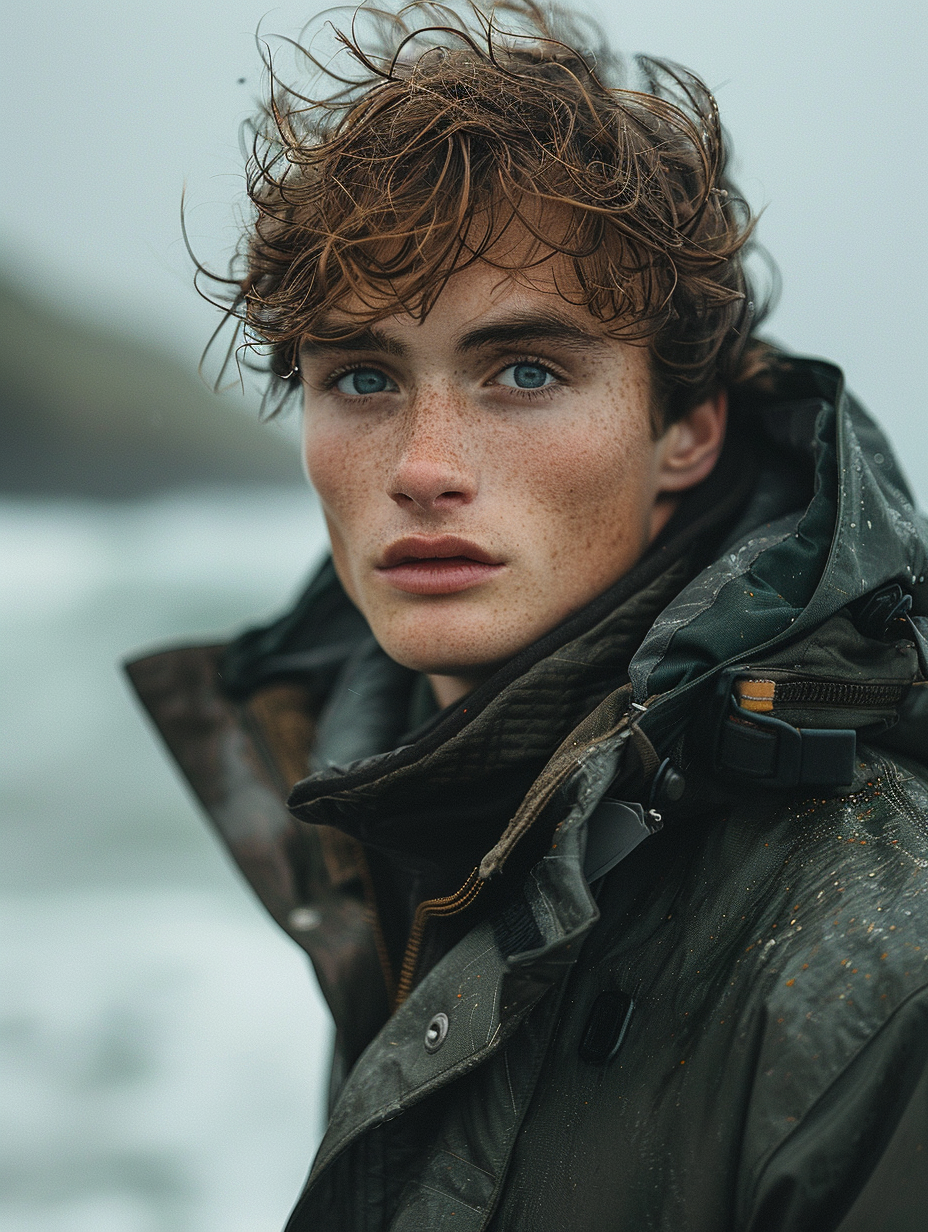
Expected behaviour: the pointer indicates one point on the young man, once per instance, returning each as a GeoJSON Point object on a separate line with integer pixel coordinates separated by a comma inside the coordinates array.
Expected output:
{"type": "Point", "coordinates": [591, 769]}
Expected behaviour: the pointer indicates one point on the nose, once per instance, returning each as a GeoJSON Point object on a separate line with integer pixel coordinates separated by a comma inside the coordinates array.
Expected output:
{"type": "Point", "coordinates": [434, 469]}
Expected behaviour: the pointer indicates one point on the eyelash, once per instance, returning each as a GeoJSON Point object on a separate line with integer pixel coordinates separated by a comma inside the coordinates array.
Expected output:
{"type": "Point", "coordinates": [331, 380]}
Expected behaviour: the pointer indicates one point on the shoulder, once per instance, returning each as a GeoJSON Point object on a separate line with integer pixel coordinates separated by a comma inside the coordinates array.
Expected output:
{"type": "Point", "coordinates": [771, 886]}
{"type": "Point", "coordinates": [830, 899]}
{"type": "Point", "coordinates": [842, 987]}
{"type": "Point", "coordinates": [805, 918]}
{"type": "Point", "coordinates": [777, 953]}
{"type": "Point", "coordinates": [852, 898]}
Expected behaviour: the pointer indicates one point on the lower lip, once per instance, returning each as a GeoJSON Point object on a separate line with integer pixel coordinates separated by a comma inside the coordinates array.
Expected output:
{"type": "Point", "coordinates": [439, 576]}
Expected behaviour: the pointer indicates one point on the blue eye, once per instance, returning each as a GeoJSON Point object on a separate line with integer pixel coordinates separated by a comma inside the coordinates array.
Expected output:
{"type": "Point", "coordinates": [362, 381]}
{"type": "Point", "coordinates": [526, 376]}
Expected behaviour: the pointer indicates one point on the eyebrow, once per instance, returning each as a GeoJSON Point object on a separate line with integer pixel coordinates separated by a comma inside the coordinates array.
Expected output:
{"type": "Point", "coordinates": [522, 327]}
{"type": "Point", "coordinates": [516, 329]}
{"type": "Point", "coordinates": [370, 339]}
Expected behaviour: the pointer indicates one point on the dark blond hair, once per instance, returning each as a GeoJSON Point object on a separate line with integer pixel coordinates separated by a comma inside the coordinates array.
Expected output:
{"type": "Point", "coordinates": [448, 128]}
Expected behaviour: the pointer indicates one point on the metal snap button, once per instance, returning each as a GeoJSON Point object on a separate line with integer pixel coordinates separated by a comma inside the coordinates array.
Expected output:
{"type": "Point", "coordinates": [304, 919]}
{"type": "Point", "coordinates": [436, 1033]}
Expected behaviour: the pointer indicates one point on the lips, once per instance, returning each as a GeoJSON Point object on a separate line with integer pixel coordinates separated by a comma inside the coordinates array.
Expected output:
{"type": "Point", "coordinates": [437, 565]}
{"type": "Point", "coordinates": [439, 547]}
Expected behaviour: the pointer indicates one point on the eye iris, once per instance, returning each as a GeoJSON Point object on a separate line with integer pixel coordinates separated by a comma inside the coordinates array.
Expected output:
{"type": "Point", "coordinates": [529, 376]}
{"type": "Point", "coordinates": [368, 381]}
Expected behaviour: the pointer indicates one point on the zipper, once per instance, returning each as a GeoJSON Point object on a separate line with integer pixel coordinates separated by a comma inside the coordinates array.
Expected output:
{"type": "Point", "coordinates": [761, 696]}
{"type": "Point", "coordinates": [462, 898]}
{"type": "Point", "coordinates": [564, 762]}
{"type": "Point", "coordinates": [432, 907]}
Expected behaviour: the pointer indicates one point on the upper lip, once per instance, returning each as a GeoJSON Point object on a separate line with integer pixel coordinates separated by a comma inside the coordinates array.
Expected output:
{"type": "Point", "coordinates": [436, 547]}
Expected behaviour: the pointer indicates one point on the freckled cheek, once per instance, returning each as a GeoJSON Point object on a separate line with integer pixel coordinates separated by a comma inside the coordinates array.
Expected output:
{"type": "Point", "coordinates": [591, 482]}
{"type": "Point", "coordinates": [338, 471]}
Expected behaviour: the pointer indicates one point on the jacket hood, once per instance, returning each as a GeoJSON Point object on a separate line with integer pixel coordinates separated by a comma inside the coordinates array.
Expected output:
{"type": "Point", "coordinates": [778, 582]}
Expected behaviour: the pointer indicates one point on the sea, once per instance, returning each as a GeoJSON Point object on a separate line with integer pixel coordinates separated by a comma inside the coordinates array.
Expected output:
{"type": "Point", "coordinates": [164, 1045]}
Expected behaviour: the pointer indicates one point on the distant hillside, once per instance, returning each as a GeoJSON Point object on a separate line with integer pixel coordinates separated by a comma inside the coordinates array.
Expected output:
{"type": "Point", "coordinates": [83, 412]}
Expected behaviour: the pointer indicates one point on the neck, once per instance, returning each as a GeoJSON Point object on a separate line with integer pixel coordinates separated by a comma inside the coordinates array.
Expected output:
{"type": "Point", "coordinates": [450, 689]}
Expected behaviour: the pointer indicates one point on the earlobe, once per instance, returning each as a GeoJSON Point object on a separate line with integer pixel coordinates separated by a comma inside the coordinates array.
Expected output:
{"type": "Point", "coordinates": [691, 447]}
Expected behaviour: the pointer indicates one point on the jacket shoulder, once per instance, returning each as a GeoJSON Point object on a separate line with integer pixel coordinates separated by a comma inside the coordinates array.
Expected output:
{"type": "Point", "coordinates": [841, 986]}
{"type": "Point", "coordinates": [856, 869]}
{"type": "Point", "coordinates": [776, 954]}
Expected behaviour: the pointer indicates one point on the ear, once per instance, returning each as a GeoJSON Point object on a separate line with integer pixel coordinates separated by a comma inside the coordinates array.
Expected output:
{"type": "Point", "coordinates": [690, 448]}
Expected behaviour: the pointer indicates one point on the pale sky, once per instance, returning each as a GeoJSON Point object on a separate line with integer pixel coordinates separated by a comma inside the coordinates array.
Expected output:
{"type": "Point", "coordinates": [111, 108]}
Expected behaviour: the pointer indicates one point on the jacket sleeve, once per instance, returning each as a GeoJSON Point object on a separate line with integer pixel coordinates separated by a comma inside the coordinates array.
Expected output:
{"type": "Point", "coordinates": [895, 1197]}
{"type": "Point", "coordinates": [859, 1159]}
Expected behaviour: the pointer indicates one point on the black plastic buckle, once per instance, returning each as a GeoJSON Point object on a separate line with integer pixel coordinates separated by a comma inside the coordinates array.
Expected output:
{"type": "Point", "coordinates": [613, 830]}
{"type": "Point", "coordinates": [776, 754]}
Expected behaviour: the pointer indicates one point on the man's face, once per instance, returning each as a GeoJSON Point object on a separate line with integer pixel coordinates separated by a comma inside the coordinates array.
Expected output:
{"type": "Point", "coordinates": [484, 473]}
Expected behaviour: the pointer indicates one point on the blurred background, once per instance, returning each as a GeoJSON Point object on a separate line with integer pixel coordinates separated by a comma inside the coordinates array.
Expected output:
{"type": "Point", "coordinates": [163, 1045]}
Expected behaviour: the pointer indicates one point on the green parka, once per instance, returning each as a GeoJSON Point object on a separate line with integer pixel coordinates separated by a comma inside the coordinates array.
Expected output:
{"type": "Point", "coordinates": [685, 985]}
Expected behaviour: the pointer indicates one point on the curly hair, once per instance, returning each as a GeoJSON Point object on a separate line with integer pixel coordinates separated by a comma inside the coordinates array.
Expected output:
{"type": "Point", "coordinates": [437, 130]}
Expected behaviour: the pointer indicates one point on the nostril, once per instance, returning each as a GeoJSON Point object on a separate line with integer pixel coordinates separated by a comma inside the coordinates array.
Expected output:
{"type": "Point", "coordinates": [426, 499]}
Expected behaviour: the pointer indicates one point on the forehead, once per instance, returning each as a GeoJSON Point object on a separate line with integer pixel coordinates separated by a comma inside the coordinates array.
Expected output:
{"type": "Point", "coordinates": [489, 302]}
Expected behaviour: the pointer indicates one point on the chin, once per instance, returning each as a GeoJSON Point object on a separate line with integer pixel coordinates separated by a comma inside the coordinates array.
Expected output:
{"type": "Point", "coordinates": [448, 648]}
